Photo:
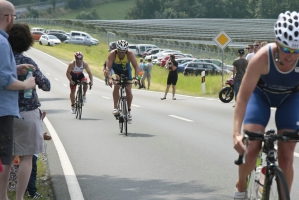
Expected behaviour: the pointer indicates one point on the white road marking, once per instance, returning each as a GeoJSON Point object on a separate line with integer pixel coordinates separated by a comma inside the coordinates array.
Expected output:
{"type": "Point", "coordinates": [181, 118]}
{"type": "Point", "coordinates": [65, 85]}
{"type": "Point", "coordinates": [48, 74]}
{"type": "Point", "coordinates": [135, 105]}
{"type": "Point", "coordinates": [106, 97]}
{"type": "Point", "coordinates": [56, 79]}
{"type": "Point", "coordinates": [68, 170]}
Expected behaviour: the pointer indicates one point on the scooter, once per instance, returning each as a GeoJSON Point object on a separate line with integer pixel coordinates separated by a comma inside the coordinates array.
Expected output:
{"type": "Point", "coordinates": [227, 93]}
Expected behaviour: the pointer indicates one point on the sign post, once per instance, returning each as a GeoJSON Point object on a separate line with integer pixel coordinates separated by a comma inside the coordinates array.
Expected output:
{"type": "Point", "coordinates": [222, 40]}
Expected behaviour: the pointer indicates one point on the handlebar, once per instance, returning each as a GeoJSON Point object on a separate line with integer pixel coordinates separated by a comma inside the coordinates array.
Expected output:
{"type": "Point", "coordinates": [268, 136]}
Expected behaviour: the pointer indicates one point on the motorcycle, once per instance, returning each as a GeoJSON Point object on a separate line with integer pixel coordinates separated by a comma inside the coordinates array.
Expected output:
{"type": "Point", "coordinates": [227, 93]}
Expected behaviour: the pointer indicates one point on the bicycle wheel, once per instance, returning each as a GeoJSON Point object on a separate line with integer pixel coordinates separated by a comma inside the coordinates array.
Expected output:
{"type": "Point", "coordinates": [252, 186]}
{"type": "Point", "coordinates": [125, 116]}
{"type": "Point", "coordinates": [80, 103]}
{"type": "Point", "coordinates": [276, 186]}
{"type": "Point", "coordinates": [121, 118]}
{"type": "Point", "coordinates": [77, 104]}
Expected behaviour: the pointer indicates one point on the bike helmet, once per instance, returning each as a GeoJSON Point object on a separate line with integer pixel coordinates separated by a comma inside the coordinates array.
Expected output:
{"type": "Point", "coordinates": [122, 45]}
{"type": "Point", "coordinates": [286, 29]}
{"type": "Point", "coordinates": [78, 55]}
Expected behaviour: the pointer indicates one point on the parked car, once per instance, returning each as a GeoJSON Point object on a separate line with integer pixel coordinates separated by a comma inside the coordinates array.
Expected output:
{"type": "Point", "coordinates": [141, 48]}
{"type": "Point", "coordinates": [216, 62]}
{"type": "Point", "coordinates": [50, 31]}
{"type": "Point", "coordinates": [49, 40]}
{"type": "Point", "coordinates": [181, 63]}
{"type": "Point", "coordinates": [62, 37]}
{"type": "Point", "coordinates": [79, 40]}
{"type": "Point", "coordinates": [38, 29]}
{"type": "Point", "coordinates": [37, 34]}
{"type": "Point", "coordinates": [164, 60]}
{"type": "Point", "coordinates": [132, 48]}
{"type": "Point", "coordinates": [84, 34]}
{"type": "Point", "coordinates": [151, 51]}
{"type": "Point", "coordinates": [197, 67]}
{"type": "Point", "coordinates": [112, 46]}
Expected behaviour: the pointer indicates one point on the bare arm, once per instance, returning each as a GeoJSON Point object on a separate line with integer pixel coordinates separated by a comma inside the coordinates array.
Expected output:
{"type": "Point", "coordinates": [89, 73]}
{"type": "Point", "coordinates": [257, 66]}
{"type": "Point", "coordinates": [133, 60]}
{"type": "Point", "coordinates": [20, 85]}
{"type": "Point", "coordinates": [68, 72]}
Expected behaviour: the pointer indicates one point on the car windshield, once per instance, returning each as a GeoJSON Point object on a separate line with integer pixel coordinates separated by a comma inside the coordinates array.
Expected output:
{"type": "Point", "coordinates": [52, 37]}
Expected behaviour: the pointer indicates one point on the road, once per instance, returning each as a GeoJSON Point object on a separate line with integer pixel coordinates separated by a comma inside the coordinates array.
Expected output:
{"type": "Point", "coordinates": [175, 150]}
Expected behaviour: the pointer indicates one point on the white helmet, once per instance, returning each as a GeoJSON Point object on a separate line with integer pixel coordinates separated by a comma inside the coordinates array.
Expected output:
{"type": "Point", "coordinates": [122, 45]}
{"type": "Point", "coordinates": [286, 29]}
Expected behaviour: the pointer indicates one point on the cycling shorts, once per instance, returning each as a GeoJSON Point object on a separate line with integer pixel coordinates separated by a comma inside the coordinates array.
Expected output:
{"type": "Point", "coordinates": [77, 76]}
{"type": "Point", "coordinates": [287, 109]}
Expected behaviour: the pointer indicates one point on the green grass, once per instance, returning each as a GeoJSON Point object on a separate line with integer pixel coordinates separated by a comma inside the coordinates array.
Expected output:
{"type": "Point", "coordinates": [95, 56]}
{"type": "Point", "coordinates": [106, 11]}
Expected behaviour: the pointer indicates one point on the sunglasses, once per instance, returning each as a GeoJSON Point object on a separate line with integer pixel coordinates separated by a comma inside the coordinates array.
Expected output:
{"type": "Point", "coordinates": [288, 50]}
{"type": "Point", "coordinates": [256, 45]}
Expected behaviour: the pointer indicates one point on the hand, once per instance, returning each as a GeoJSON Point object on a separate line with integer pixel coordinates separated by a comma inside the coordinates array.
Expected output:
{"type": "Point", "coordinates": [238, 144]}
{"type": "Point", "coordinates": [90, 83]}
{"type": "Point", "coordinates": [30, 83]}
{"type": "Point", "coordinates": [22, 69]}
{"type": "Point", "coordinates": [110, 82]}
{"type": "Point", "coordinates": [72, 82]}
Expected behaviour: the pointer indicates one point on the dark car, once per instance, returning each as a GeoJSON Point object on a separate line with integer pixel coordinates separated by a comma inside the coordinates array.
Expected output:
{"type": "Point", "coordinates": [112, 46]}
{"type": "Point", "coordinates": [62, 37]}
{"type": "Point", "coordinates": [197, 67]}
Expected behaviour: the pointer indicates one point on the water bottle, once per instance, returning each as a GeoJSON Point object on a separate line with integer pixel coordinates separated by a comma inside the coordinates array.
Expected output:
{"type": "Point", "coordinates": [261, 182]}
{"type": "Point", "coordinates": [28, 93]}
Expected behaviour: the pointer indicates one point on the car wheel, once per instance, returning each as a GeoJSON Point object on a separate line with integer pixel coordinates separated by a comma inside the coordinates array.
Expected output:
{"type": "Point", "coordinates": [40, 42]}
{"type": "Point", "coordinates": [49, 44]}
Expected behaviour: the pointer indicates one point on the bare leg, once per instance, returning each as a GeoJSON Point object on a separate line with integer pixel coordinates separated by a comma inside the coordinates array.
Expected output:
{"type": "Point", "coordinates": [166, 91]}
{"type": "Point", "coordinates": [173, 90]}
{"type": "Point", "coordinates": [72, 96]}
{"type": "Point", "coordinates": [4, 178]}
{"type": "Point", "coordinates": [24, 173]}
{"type": "Point", "coordinates": [129, 95]}
{"type": "Point", "coordinates": [115, 95]}
{"type": "Point", "coordinates": [85, 89]}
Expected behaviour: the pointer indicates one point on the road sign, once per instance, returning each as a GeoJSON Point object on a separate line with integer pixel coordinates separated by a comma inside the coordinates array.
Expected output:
{"type": "Point", "coordinates": [222, 39]}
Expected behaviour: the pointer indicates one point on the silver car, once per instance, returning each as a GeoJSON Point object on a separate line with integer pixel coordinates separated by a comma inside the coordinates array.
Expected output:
{"type": "Point", "coordinates": [79, 40]}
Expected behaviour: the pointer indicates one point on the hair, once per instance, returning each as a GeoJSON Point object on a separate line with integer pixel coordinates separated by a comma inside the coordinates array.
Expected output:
{"type": "Point", "coordinates": [20, 38]}
{"type": "Point", "coordinates": [172, 56]}
{"type": "Point", "coordinates": [264, 43]}
{"type": "Point", "coordinates": [250, 45]}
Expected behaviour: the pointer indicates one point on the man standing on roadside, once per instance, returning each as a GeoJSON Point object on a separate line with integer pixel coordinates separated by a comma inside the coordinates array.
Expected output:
{"type": "Point", "coordinates": [240, 65]}
{"type": "Point", "coordinates": [250, 52]}
{"type": "Point", "coordinates": [9, 86]}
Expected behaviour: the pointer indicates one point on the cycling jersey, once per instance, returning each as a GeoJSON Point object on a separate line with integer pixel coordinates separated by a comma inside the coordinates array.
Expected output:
{"type": "Point", "coordinates": [122, 66]}
{"type": "Point", "coordinates": [275, 89]}
{"type": "Point", "coordinates": [77, 74]}
{"type": "Point", "coordinates": [78, 69]}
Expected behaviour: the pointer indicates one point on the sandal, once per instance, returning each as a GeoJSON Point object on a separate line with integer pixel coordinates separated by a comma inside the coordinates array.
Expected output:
{"type": "Point", "coordinates": [163, 98]}
{"type": "Point", "coordinates": [173, 98]}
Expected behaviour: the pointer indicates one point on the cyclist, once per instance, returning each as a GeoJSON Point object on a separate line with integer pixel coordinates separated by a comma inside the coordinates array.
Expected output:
{"type": "Point", "coordinates": [271, 80]}
{"type": "Point", "coordinates": [75, 72]}
{"type": "Point", "coordinates": [120, 61]}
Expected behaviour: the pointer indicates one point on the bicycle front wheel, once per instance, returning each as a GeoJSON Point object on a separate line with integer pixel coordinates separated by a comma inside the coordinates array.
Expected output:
{"type": "Point", "coordinates": [252, 186]}
{"type": "Point", "coordinates": [79, 103]}
{"type": "Point", "coordinates": [276, 186]}
{"type": "Point", "coordinates": [125, 114]}
{"type": "Point", "coordinates": [121, 116]}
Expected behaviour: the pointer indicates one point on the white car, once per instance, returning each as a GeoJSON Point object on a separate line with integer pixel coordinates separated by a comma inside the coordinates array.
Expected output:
{"type": "Point", "coordinates": [49, 40]}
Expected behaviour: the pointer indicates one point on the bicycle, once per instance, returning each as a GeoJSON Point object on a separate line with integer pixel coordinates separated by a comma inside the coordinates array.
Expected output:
{"type": "Point", "coordinates": [122, 104]}
{"type": "Point", "coordinates": [269, 190]}
{"type": "Point", "coordinates": [79, 99]}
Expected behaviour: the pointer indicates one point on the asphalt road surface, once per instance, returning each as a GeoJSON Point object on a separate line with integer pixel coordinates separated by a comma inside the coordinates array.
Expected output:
{"type": "Point", "coordinates": [175, 150]}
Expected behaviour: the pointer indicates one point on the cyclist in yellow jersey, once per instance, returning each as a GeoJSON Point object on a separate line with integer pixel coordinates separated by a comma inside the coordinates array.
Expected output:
{"type": "Point", "coordinates": [120, 60]}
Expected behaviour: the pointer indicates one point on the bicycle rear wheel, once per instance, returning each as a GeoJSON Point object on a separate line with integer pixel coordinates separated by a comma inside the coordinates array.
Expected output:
{"type": "Point", "coordinates": [252, 186]}
{"type": "Point", "coordinates": [79, 103]}
{"type": "Point", "coordinates": [276, 186]}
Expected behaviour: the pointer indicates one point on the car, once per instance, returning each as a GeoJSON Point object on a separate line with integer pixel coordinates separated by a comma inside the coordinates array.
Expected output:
{"type": "Point", "coordinates": [79, 40]}
{"type": "Point", "coordinates": [49, 40]}
{"type": "Point", "coordinates": [181, 63]}
{"type": "Point", "coordinates": [141, 48]}
{"type": "Point", "coordinates": [196, 68]}
{"type": "Point", "coordinates": [38, 29]}
{"type": "Point", "coordinates": [132, 48]}
{"type": "Point", "coordinates": [216, 62]}
{"type": "Point", "coordinates": [37, 34]}
{"type": "Point", "coordinates": [164, 60]}
{"type": "Point", "coordinates": [112, 46]}
{"type": "Point", "coordinates": [62, 37]}
{"type": "Point", "coordinates": [50, 31]}
{"type": "Point", "coordinates": [152, 51]}
{"type": "Point", "coordinates": [84, 34]}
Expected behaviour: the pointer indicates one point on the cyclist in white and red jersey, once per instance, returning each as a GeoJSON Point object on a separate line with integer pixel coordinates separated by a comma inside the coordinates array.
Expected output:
{"type": "Point", "coordinates": [75, 72]}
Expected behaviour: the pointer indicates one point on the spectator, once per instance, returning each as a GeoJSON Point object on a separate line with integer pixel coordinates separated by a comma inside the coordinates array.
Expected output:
{"type": "Point", "coordinates": [240, 65]}
{"type": "Point", "coordinates": [105, 73]}
{"type": "Point", "coordinates": [172, 77]}
{"type": "Point", "coordinates": [256, 46]}
{"type": "Point", "coordinates": [147, 73]}
{"type": "Point", "coordinates": [141, 71]}
{"type": "Point", "coordinates": [9, 86]}
{"type": "Point", "coordinates": [264, 43]}
{"type": "Point", "coordinates": [28, 131]}
{"type": "Point", "coordinates": [250, 51]}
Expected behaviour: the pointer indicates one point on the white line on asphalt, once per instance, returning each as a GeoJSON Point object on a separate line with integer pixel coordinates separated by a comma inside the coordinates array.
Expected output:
{"type": "Point", "coordinates": [106, 97]}
{"type": "Point", "coordinates": [56, 79]}
{"type": "Point", "coordinates": [135, 105]}
{"type": "Point", "coordinates": [65, 85]}
{"type": "Point", "coordinates": [69, 173]}
{"type": "Point", "coordinates": [48, 74]}
{"type": "Point", "coordinates": [181, 118]}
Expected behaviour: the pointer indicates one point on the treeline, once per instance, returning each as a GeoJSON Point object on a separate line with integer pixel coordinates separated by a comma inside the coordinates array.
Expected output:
{"type": "Point", "coordinates": [169, 9]}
